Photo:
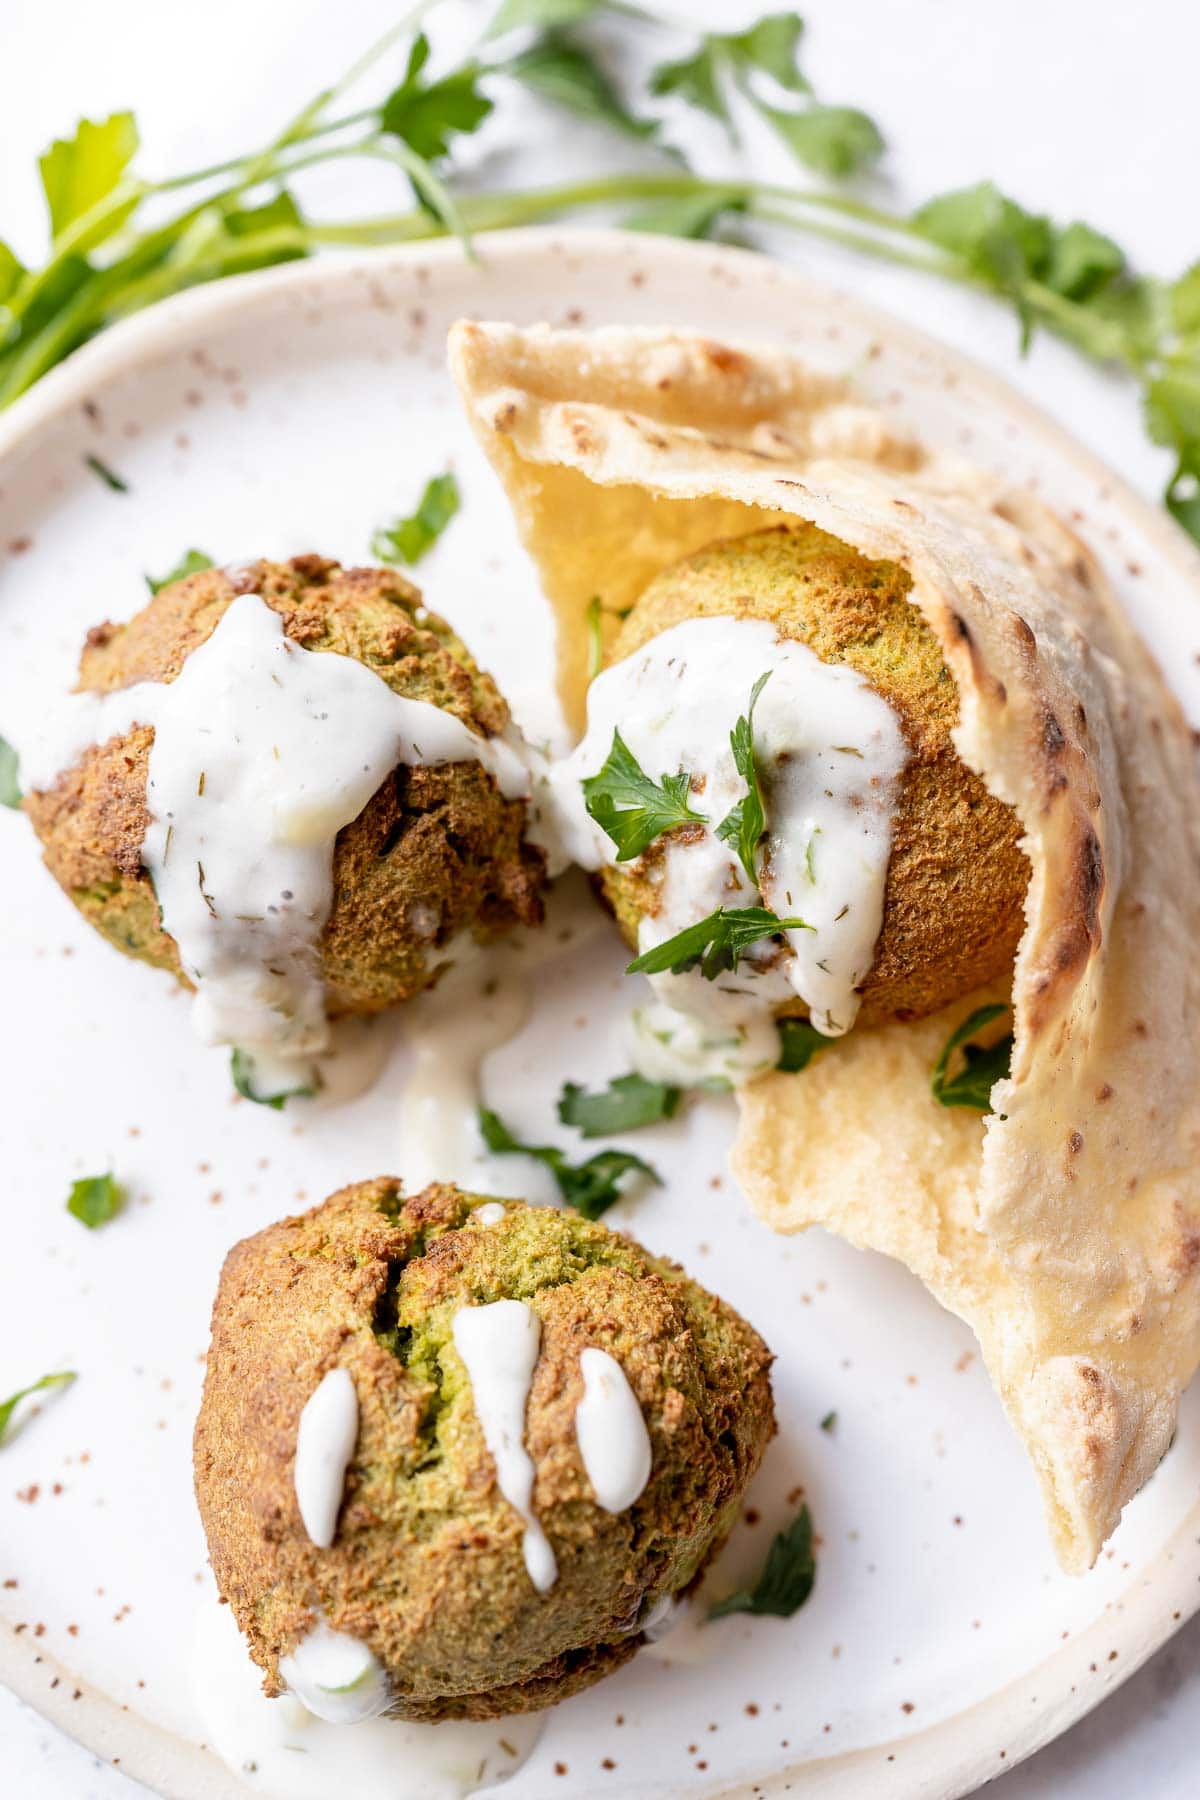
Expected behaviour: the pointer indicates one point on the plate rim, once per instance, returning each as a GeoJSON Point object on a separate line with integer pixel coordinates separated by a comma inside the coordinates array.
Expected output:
{"type": "Point", "coordinates": [944, 1760]}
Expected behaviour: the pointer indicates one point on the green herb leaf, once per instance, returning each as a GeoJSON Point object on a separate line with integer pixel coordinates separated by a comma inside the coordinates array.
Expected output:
{"type": "Point", "coordinates": [716, 944]}
{"type": "Point", "coordinates": [12, 273]}
{"type": "Point", "coordinates": [407, 540]}
{"type": "Point", "coordinates": [589, 1187]}
{"type": "Point", "coordinates": [787, 1577]}
{"type": "Point", "coordinates": [595, 636]}
{"type": "Point", "coordinates": [767, 47]}
{"type": "Point", "coordinates": [799, 1042]}
{"type": "Point", "coordinates": [8, 1407]}
{"type": "Point", "coordinates": [539, 15]}
{"type": "Point", "coordinates": [833, 140]}
{"type": "Point", "coordinates": [982, 1066]}
{"type": "Point", "coordinates": [191, 563]}
{"type": "Point", "coordinates": [631, 808]}
{"type": "Point", "coordinates": [829, 1421]}
{"type": "Point", "coordinates": [627, 1103]}
{"type": "Point", "coordinates": [78, 172]}
{"type": "Point", "coordinates": [744, 824]}
{"type": "Point", "coordinates": [95, 1200]}
{"type": "Point", "coordinates": [561, 70]}
{"type": "Point", "coordinates": [107, 475]}
{"type": "Point", "coordinates": [426, 116]}
{"type": "Point", "coordinates": [10, 784]}
{"type": "Point", "coordinates": [1183, 300]}
{"type": "Point", "coordinates": [241, 1069]}
{"type": "Point", "coordinates": [1082, 261]}
{"type": "Point", "coordinates": [688, 215]}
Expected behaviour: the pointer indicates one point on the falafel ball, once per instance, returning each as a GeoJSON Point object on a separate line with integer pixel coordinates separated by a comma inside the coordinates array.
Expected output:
{"type": "Point", "coordinates": [438, 849]}
{"type": "Point", "coordinates": [956, 882]}
{"type": "Point", "coordinates": [426, 1568]}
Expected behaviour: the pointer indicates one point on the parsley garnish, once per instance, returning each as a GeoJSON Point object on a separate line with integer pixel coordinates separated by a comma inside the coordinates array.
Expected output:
{"type": "Point", "coordinates": [241, 1069]}
{"type": "Point", "coordinates": [631, 808]}
{"type": "Point", "coordinates": [563, 70]}
{"type": "Point", "coordinates": [829, 1421]}
{"type": "Point", "coordinates": [8, 1407]}
{"type": "Point", "coordinates": [408, 540]}
{"type": "Point", "coordinates": [629, 1101]}
{"type": "Point", "coordinates": [799, 1042]}
{"type": "Point", "coordinates": [715, 944]}
{"type": "Point", "coordinates": [191, 563]}
{"type": "Point", "coordinates": [108, 476]}
{"type": "Point", "coordinates": [786, 1580]}
{"type": "Point", "coordinates": [427, 115]}
{"type": "Point", "coordinates": [744, 824]}
{"type": "Point", "coordinates": [10, 785]}
{"type": "Point", "coordinates": [590, 1187]}
{"type": "Point", "coordinates": [983, 1066]}
{"type": "Point", "coordinates": [95, 1200]}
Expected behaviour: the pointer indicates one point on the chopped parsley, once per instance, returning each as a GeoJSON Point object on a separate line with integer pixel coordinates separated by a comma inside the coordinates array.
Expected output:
{"type": "Point", "coordinates": [10, 785]}
{"type": "Point", "coordinates": [95, 1200]}
{"type": "Point", "coordinates": [632, 809]}
{"type": "Point", "coordinates": [408, 539]}
{"type": "Point", "coordinates": [983, 1065]}
{"type": "Point", "coordinates": [786, 1580]}
{"type": "Point", "coordinates": [744, 824]}
{"type": "Point", "coordinates": [629, 1101]}
{"type": "Point", "coordinates": [715, 944]}
{"type": "Point", "coordinates": [107, 475]}
{"type": "Point", "coordinates": [191, 563]}
{"type": "Point", "coordinates": [799, 1042]}
{"type": "Point", "coordinates": [589, 1187]}
{"type": "Point", "coordinates": [829, 1421]}
{"type": "Point", "coordinates": [8, 1407]}
{"type": "Point", "coordinates": [241, 1069]}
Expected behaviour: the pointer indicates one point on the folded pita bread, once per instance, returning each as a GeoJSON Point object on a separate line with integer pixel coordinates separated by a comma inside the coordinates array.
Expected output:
{"type": "Point", "coordinates": [1065, 1227]}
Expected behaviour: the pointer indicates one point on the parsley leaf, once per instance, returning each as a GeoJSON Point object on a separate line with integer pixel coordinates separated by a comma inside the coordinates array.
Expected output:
{"type": "Point", "coordinates": [95, 1200]}
{"type": "Point", "coordinates": [10, 785]}
{"type": "Point", "coordinates": [407, 540]}
{"type": "Point", "coordinates": [12, 272]}
{"type": "Point", "coordinates": [799, 1042]}
{"type": "Point", "coordinates": [78, 172]}
{"type": "Point", "coordinates": [982, 1068]}
{"type": "Point", "coordinates": [786, 1580]}
{"type": "Point", "coordinates": [542, 15]}
{"type": "Point", "coordinates": [687, 215]}
{"type": "Point", "coordinates": [191, 563]}
{"type": "Point", "coordinates": [425, 116]}
{"type": "Point", "coordinates": [561, 70]}
{"type": "Point", "coordinates": [829, 1421]}
{"type": "Point", "coordinates": [716, 943]}
{"type": "Point", "coordinates": [107, 475]}
{"type": "Point", "coordinates": [833, 140]}
{"type": "Point", "coordinates": [744, 824]}
{"type": "Point", "coordinates": [241, 1069]}
{"type": "Point", "coordinates": [589, 1187]}
{"type": "Point", "coordinates": [629, 1101]}
{"type": "Point", "coordinates": [631, 808]}
{"type": "Point", "coordinates": [8, 1407]}
{"type": "Point", "coordinates": [768, 46]}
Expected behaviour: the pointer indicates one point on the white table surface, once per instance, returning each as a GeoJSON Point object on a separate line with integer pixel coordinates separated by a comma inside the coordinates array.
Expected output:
{"type": "Point", "coordinates": [1081, 112]}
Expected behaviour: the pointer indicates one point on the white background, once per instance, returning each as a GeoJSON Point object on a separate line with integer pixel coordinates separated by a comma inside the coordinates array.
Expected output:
{"type": "Point", "coordinates": [1078, 110]}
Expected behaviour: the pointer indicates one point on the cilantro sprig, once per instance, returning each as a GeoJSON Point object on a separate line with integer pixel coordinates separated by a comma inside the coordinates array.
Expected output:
{"type": "Point", "coordinates": [982, 1067]}
{"type": "Point", "coordinates": [787, 1575]}
{"type": "Point", "coordinates": [8, 1407]}
{"type": "Point", "coordinates": [626, 1104]}
{"type": "Point", "coordinates": [589, 1187]}
{"type": "Point", "coordinates": [745, 823]}
{"type": "Point", "coordinates": [631, 808]}
{"type": "Point", "coordinates": [715, 944]}
{"type": "Point", "coordinates": [407, 540]}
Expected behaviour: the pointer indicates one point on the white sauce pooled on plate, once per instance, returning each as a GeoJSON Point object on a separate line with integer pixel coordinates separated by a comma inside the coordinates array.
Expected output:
{"type": "Point", "coordinates": [611, 1433]}
{"type": "Point", "coordinates": [335, 1677]}
{"type": "Point", "coordinates": [281, 1750]}
{"type": "Point", "coordinates": [325, 1440]}
{"type": "Point", "coordinates": [262, 752]}
{"type": "Point", "coordinates": [499, 1345]}
{"type": "Point", "coordinates": [829, 750]}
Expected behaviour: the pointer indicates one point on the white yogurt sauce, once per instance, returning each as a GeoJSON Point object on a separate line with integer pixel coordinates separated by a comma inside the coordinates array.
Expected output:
{"type": "Point", "coordinates": [262, 752]}
{"type": "Point", "coordinates": [325, 1440]}
{"type": "Point", "coordinates": [684, 1051]}
{"type": "Point", "coordinates": [335, 1677]}
{"type": "Point", "coordinates": [830, 751]}
{"type": "Point", "coordinates": [280, 1749]}
{"type": "Point", "coordinates": [499, 1345]}
{"type": "Point", "coordinates": [491, 1214]}
{"type": "Point", "coordinates": [611, 1433]}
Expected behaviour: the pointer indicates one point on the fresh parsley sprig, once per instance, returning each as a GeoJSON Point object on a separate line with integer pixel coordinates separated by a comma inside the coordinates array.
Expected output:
{"type": "Point", "coordinates": [626, 1104]}
{"type": "Point", "coordinates": [8, 1407]}
{"type": "Point", "coordinates": [632, 809]}
{"type": "Point", "coordinates": [589, 1187]}
{"type": "Point", "coordinates": [192, 562]}
{"type": "Point", "coordinates": [715, 944]}
{"type": "Point", "coordinates": [983, 1065]}
{"type": "Point", "coordinates": [787, 1576]}
{"type": "Point", "coordinates": [744, 824]}
{"type": "Point", "coordinates": [408, 539]}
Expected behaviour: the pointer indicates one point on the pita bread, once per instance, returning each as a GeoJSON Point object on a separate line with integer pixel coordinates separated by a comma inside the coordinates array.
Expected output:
{"type": "Point", "coordinates": [1064, 1227]}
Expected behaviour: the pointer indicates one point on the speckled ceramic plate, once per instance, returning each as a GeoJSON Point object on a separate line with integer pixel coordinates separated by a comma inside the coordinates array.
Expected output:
{"type": "Point", "coordinates": [297, 410]}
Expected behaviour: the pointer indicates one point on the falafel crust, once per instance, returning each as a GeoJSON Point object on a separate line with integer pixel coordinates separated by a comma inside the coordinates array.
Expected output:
{"type": "Point", "coordinates": [436, 850]}
{"type": "Point", "coordinates": [953, 907]}
{"type": "Point", "coordinates": [427, 1566]}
